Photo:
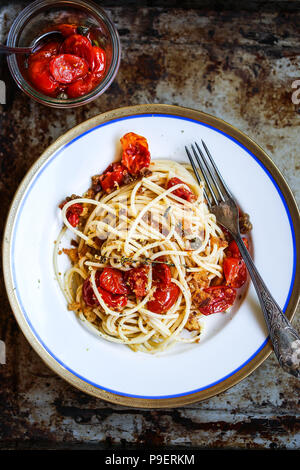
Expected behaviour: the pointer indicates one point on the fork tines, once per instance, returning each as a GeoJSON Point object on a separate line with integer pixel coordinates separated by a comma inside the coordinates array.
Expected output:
{"type": "Point", "coordinates": [215, 184]}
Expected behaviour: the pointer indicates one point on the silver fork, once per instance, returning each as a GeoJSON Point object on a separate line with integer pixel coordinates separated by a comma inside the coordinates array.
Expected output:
{"type": "Point", "coordinates": [285, 339]}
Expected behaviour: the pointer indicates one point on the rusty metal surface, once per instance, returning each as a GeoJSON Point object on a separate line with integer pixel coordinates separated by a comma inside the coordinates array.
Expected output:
{"type": "Point", "coordinates": [237, 65]}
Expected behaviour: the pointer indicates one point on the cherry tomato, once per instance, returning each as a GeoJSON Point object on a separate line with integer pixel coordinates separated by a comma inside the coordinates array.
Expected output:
{"type": "Point", "coordinates": [116, 302]}
{"type": "Point", "coordinates": [136, 155]}
{"type": "Point", "coordinates": [73, 213]}
{"type": "Point", "coordinates": [182, 192]}
{"type": "Point", "coordinates": [50, 49]}
{"type": "Point", "coordinates": [137, 279]}
{"type": "Point", "coordinates": [220, 298]}
{"type": "Point", "coordinates": [99, 60]}
{"type": "Point", "coordinates": [83, 86]}
{"type": "Point", "coordinates": [88, 293]}
{"type": "Point", "coordinates": [112, 177]}
{"type": "Point", "coordinates": [66, 29]}
{"type": "Point", "coordinates": [232, 249]}
{"type": "Point", "coordinates": [80, 46]}
{"type": "Point", "coordinates": [235, 272]}
{"type": "Point", "coordinates": [66, 68]}
{"type": "Point", "coordinates": [163, 299]}
{"type": "Point", "coordinates": [112, 280]}
{"type": "Point", "coordinates": [40, 76]}
{"type": "Point", "coordinates": [162, 275]}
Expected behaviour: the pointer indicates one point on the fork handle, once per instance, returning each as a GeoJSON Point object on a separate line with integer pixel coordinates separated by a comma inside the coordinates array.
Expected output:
{"type": "Point", "coordinates": [285, 339]}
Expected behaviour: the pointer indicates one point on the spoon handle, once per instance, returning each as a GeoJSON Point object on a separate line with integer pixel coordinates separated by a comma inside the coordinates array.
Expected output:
{"type": "Point", "coordinates": [14, 50]}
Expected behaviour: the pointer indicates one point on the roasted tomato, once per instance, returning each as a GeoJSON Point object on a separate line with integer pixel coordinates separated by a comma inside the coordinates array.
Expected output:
{"type": "Point", "coordinates": [66, 68]}
{"type": "Point", "coordinates": [50, 49]}
{"type": "Point", "coordinates": [83, 86]}
{"type": "Point", "coordinates": [66, 29]}
{"type": "Point", "coordinates": [99, 60]}
{"type": "Point", "coordinates": [135, 155]}
{"type": "Point", "coordinates": [182, 192]}
{"type": "Point", "coordinates": [163, 299]}
{"type": "Point", "coordinates": [219, 299]}
{"type": "Point", "coordinates": [161, 275]}
{"type": "Point", "coordinates": [235, 272]}
{"type": "Point", "coordinates": [137, 280]}
{"type": "Point", "coordinates": [116, 302]}
{"type": "Point", "coordinates": [112, 177]}
{"type": "Point", "coordinates": [112, 280]}
{"type": "Point", "coordinates": [232, 249]}
{"type": "Point", "coordinates": [40, 76]}
{"type": "Point", "coordinates": [88, 293]}
{"type": "Point", "coordinates": [79, 46]}
{"type": "Point", "coordinates": [73, 214]}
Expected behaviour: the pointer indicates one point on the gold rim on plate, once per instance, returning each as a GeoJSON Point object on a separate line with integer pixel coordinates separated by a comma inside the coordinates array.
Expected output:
{"type": "Point", "coordinates": [162, 109]}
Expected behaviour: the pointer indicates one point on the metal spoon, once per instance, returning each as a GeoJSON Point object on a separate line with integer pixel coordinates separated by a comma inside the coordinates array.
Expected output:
{"type": "Point", "coordinates": [37, 43]}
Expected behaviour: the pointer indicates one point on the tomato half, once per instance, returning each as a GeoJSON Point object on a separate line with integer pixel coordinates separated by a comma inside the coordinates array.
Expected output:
{"type": "Point", "coordinates": [80, 46]}
{"type": "Point", "coordinates": [83, 86]}
{"type": "Point", "coordinates": [116, 302]}
{"type": "Point", "coordinates": [233, 250]}
{"type": "Point", "coordinates": [66, 68]}
{"type": "Point", "coordinates": [50, 49]}
{"type": "Point", "coordinates": [137, 280]}
{"type": "Point", "coordinates": [40, 76]}
{"type": "Point", "coordinates": [88, 293]}
{"type": "Point", "coordinates": [235, 272]}
{"type": "Point", "coordinates": [135, 155]}
{"type": "Point", "coordinates": [163, 299]}
{"type": "Point", "coordinates": [73, 213]}
{"type": "Point", "coordinates": [112, 280]}
{"type": "Point", "coordinates": [66, 29]}
{"type": "Point", "coordinates": [99, 60]}
{"type": "Point", "coordinates": [182, 192]}
{"type": "Point", "coordinates": [162, 275]}
{"type": "Point", "coordinates": [219, 299]}
{"type": "Point", "coordinates": [112, 177]}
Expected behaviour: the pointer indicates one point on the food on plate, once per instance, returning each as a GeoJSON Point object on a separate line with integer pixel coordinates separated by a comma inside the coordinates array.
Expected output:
{"type": "Point", "coordinates": [149, 262]}
{"type": "Point", "coordinates": [67, 67]}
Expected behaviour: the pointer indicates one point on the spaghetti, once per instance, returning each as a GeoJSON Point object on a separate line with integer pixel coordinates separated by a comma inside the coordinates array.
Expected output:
{"type": "Point", "coordinates": [147, 262]}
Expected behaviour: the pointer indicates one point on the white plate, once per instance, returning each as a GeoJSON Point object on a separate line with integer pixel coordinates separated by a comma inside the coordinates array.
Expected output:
{"type": "Point", "coordinates": [233, 344]}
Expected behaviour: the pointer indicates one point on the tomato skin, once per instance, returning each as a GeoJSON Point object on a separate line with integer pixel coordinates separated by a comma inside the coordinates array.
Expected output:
{"type": "Point", "coordinates": [73, 213]}
{"type": "Point", "coordinates": [66, 68]}
{"type": "Point", "coordinates": [117, 302]}
{"type": "Point", "coordinates": [112, 177]}
{"type": "Point", "coordinates": [220, 299]}
{"type": "Point", "coordinates": [114, 301]}
{"type": "Point", "coordinates": [135, 155]}
{"type": "Point", "coordinates": [163, 299]}
{"type": "Point", "coordinates": [137, 280]}
{"type": "Point", "coordinates": [233, 250]}
{"type": "Point", "coordinates": [99, 60]}
{"type": "Point", "coordinates": [79, 46]}
{"type": "Point", "coordinates": [40, 76]}
{"type": "Point", "coordinates": [112, 280]}
{"type": "Point", "coordinates": [66, 29]}
{"type": "Point", "coordinates": [183, 193]}
{"type": "Point", "coordinates": [83, 86]}
{"type": "Point", "coordinates": [50, 49]}
{"type": "Point", "coordinates": [87, 292]}
{"type": "Point", "coordinates": [161, 275]}
{"type": "Point", "coordinates": [235, 272]}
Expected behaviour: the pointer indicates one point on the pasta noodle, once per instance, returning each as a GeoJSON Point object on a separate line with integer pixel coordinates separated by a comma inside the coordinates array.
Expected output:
{"type": "Point", "coordinates": [143, 224]}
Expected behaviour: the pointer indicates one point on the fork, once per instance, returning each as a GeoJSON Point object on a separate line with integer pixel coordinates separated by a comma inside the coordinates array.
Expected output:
{"type": "Point", "coordinates": [284, 338]}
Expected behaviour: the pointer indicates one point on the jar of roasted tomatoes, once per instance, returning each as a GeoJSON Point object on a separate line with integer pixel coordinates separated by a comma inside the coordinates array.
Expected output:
{"type": "Point", "coordinates": [72, 67]}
